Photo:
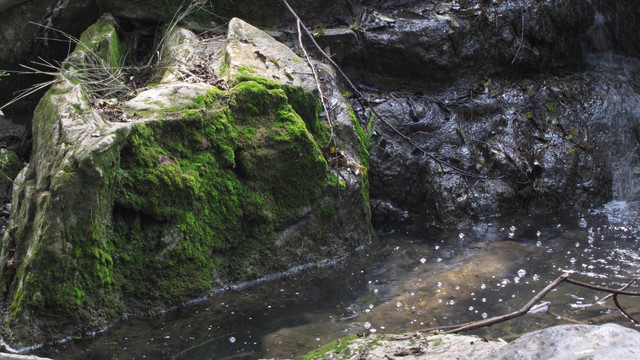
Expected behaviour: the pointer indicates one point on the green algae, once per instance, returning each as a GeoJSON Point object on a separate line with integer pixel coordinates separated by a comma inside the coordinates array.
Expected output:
{"type": "Point", "coordinates": [336, 348]}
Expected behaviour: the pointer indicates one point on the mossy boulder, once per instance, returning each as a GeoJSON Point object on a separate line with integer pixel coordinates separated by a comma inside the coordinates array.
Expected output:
{"type": "Point", "coordinates": [191, 186]}
{"type": "Point", "coordinates": [9, 167]}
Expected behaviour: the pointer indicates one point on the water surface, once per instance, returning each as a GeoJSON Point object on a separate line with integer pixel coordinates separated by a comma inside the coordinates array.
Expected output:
{"type": "Point", "coordinates": [408, 282]}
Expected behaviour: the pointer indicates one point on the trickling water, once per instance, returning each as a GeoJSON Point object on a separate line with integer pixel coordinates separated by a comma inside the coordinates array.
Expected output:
{"type": "Point", "coordinates": [616, 120]}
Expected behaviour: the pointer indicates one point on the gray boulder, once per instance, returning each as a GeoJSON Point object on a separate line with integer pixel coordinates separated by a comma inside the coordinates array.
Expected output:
{"type": "Point", "coordinates": [564, 342]}
{"type": "Point", "coordinates": [609, 341]}
{"type": "Point", "coordinates": [221, 171]}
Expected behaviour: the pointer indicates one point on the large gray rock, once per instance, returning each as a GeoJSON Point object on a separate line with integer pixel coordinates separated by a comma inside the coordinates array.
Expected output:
{"type": "Point", "coordinates": [604, 342]}
{"type": "Point", "coordinates": [565, 342]}
{"type": "Point", "coordinates": [220, 172]}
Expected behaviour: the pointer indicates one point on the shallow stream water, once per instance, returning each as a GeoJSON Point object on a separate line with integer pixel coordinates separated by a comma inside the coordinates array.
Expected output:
{"type": "Point", "coordinates": [407, 282]}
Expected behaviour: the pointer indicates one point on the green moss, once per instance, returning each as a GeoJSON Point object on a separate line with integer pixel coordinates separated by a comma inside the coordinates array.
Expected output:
{"type": "Point", "coordinates": [201, 198]}
{"type": "Point", "coordinates": [9, 168]}
{"type": "Point", "coordinates": [101, 40]}
{"type": "Point", "coordinates": [363, 153]}
{"type": "Point", "coordinates": [338, 348]}
{"type": "Point", "coordinates": [246, 69]}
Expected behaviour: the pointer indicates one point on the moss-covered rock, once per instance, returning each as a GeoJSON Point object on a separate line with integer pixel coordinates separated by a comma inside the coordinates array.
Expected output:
{"type": "Point", "coordinates": [199, 188]}
{"type": "Point", "coordinates": [9, 168]}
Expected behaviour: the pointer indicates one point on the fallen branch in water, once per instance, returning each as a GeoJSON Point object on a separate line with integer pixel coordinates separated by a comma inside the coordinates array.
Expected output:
{"type": "Point", "coordinates": [525, 309]}
{"type": "Point", "coordinates": [366, 101]}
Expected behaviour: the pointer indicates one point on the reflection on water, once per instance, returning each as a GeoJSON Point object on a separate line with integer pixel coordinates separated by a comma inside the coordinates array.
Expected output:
{"type": "Point", "coordinates": [410, 282]}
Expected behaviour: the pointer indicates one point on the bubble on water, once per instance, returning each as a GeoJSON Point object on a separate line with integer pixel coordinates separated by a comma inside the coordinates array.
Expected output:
{"type": "Point", "coordinates": [582, 223]}
{"type": "Point", "coordinates": [373, 330]}
{"type": "Point", "coordinates": [423, 260]}
{"type": "Point", "coordinates": [484, 315]}
{"type": "Point", "coordinates": [367, 325]}
{"type": "Point", "coordinates": [484, 299]}
{"type": "Point", "coordinates": [577, 244]}
{"type": "Point", "coordinates": [439, 260]}
{"type": "Point", "coordinates": [317, 339]}
{"type": "Point", "coordinates": [516, 279]}
{"type": "Point", "coordinates": [451, 302]}
{"type": "Point", "coordinates": [398, 304]}
{"type": "Point", "coordinates": [439, 284]}
{"type": "Point", "coordinates": [538, 233]}
{"type": "Point", "coordinates": [370, 306]}
{"type": "Point", "coordinates": [572, 260]}
{"type": "Point", "coordinates": [461, 236]}
{"type": "Point", "coordinates": [375, 291]}
{"type": "Point", "coordinates": [538, 243]}
{"type": "Point", "coordinates": [232, 339]}
{"type": "Point", "coordinates": [483, 286]}
{"type": "Point", "coordinates": [470, 308]}
{"type": "Point", "coordinates": [522, 273]}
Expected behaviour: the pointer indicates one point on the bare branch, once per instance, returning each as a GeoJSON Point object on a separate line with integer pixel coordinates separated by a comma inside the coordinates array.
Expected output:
{"type": "Point", "coordinates": [522, 311]}
{"type": "Point", "coordinates": [626, 314]}
{"type": "Point", "coordinates": [602, 288]}
{"type": "Point", "coordinates": [525, 309]}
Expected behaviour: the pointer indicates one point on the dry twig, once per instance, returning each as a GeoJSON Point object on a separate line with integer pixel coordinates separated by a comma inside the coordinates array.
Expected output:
{"type": "Point", "coordinates": [525, 309]}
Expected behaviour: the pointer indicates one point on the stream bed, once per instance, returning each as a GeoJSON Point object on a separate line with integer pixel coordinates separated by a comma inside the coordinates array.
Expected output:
{"type": "Point", "coordinates": [406, 282]}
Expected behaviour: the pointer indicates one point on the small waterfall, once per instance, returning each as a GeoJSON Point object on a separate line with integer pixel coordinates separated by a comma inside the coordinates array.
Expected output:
{"type": "Point", "coordinates": [616, 115]}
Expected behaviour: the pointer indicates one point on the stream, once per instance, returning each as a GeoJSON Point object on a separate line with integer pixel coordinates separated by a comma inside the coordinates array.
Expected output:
{"type": "Point", "coordinates": [412, 281]}
{"type": "Point", "coordinates": [406, 282]}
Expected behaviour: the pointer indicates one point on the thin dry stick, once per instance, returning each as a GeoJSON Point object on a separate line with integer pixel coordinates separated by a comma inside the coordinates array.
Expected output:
{"type": "Point", "coordinates": [360, 95]}
{"type": "Point", "coordinates": [626, 314]}
{"type": "Point", "coordinates": [602, 288]}
{"type": "Point", "coordinates": [560, 317]}
{"type": "Point", "coordinates": [611, 295]}
{"type": "Point", "coordinates": [562, 278]}
{"type": "Point", "coordinates": [332, 138]}
{"type": "Point", "coordinates": [524, 310]}
{"type": "Point", "coordinates": [318, 84]}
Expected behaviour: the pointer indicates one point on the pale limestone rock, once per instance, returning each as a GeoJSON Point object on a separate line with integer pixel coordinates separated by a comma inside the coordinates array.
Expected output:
{"type": "Point", "coordinates": [251, 51]}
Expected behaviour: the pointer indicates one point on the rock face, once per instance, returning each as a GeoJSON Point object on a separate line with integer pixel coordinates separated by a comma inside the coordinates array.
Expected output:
{"type": "Point", "coordinates": [609, 341]}
{"type": "Point", "coordinates": [220, 172]}
{"type": "Point", "coordinates": [22, 41]}
{"type": "Point", "coordinates": [498, 147]}
{"type": "Point", "coordinates": [438, 42]}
